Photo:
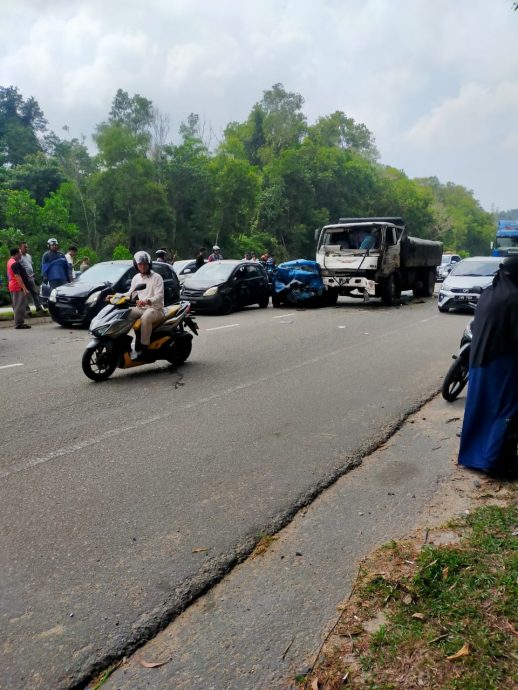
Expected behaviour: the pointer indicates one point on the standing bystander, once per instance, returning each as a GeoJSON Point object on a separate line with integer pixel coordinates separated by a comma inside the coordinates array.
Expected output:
{"type": "Point", "coordinates": [26, 262]}
{"type": "Point", "coordinates": [54, 266]}
{"type": "Point", "coordinates": [489, 432]}
{"type": "Point", "coordinates": [70, 256]}
{"type": "Point", "coordinates": [18, 287]}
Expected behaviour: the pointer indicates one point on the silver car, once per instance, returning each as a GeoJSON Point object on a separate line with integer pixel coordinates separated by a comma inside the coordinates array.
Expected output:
{"type": "Point", "coordinates": [466, 281]}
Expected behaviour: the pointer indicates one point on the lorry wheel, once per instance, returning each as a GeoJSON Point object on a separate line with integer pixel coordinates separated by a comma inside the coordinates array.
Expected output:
{"type": "Point", "coordinates": [427, 283]}
{"type": "Point", "coordinates": [331, 297]}
{"type": "Point", "coordinates": [390, 292]}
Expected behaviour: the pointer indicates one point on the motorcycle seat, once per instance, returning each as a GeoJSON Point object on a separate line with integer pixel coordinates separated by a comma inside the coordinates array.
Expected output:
{"type": "Point", "coordinates": [168, 312]}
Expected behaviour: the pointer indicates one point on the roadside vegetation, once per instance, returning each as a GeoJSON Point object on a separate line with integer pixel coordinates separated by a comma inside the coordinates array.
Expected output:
{"type": "Point", "coordinates": [265, 183]}
{"type": "Point", "coordinates": [438, 616]}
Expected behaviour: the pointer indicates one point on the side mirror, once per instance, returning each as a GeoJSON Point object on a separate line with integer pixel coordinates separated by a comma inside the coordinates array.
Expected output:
{"type": "Point", "coordinates": [187, 270]}
{"type": "Point", "coordinates": [140, 286]}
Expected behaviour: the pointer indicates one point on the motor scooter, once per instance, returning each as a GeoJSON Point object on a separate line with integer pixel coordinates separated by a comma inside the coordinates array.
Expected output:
{"type": "Point", "coordinates": [457, 375]}
{"type": "Point", "coordinates": [111, 346]}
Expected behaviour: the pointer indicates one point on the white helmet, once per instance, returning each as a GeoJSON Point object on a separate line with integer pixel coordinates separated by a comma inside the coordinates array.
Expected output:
{"type": "Point", "coordinates": [52, 240]}
{"type": "Point", "coordinates": [142, 258]}
{"type": "Point", "coordinates": [215, 248]}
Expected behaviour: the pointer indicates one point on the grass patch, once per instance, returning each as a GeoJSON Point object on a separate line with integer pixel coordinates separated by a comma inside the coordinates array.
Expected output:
{"type": "Point", "coordinates": [458, 601]}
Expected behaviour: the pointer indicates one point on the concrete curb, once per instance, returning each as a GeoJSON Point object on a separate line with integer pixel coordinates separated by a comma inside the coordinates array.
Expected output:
{"type": "Point", "coordinates": [32, 321]}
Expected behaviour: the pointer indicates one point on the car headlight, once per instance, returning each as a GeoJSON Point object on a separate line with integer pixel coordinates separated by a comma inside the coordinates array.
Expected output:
{"type": "Point", "coordinates": [93, 298]}
{"type": "Point", "coordinates": [211, 291]}
{"type": "Point", "coordinates": [52, 296]}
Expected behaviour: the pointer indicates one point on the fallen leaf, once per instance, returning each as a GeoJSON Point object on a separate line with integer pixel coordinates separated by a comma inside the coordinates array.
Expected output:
{"type": "Point", "coordinates": [445, 573]}
{"type": "Point", "coordinates": [419, 616]}
{"type": "Point", "coordinates": [463, 651]}
{"type": "Point", "coordinates": [152, 664]}
{"type": "Point", "coordinates": [199, 550]}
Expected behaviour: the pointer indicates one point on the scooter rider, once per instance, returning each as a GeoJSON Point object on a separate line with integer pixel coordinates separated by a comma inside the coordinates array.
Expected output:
{"type": "Point", "coordinates": [150, 300]}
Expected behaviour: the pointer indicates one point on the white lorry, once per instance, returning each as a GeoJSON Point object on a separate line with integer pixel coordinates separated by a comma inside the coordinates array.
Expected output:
{"type": "Point", "coordinates": [375, 257]}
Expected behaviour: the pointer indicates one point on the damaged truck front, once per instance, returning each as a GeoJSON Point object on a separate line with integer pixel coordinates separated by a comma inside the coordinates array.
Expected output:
{"type": "Point", "coordinates": [375, 257]}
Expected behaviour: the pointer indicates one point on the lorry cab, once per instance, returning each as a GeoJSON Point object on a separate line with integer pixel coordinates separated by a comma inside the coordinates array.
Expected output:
{"type": "Point", "coordinates": [374, 257]}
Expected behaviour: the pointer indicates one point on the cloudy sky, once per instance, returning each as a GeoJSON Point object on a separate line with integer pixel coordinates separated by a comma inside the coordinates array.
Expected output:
{"type": "Point", "coordinates": [436, 81]}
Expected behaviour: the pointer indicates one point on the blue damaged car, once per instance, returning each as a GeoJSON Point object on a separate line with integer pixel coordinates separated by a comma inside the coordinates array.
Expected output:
{"type": "Point", "coordinates": [298, 282]}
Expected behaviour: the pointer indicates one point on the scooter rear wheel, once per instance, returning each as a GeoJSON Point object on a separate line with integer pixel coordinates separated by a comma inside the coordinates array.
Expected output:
{"type": "Point", "coordinates": [99, 363]}
{"type": "Point", "coordinates": [455, 379]}
{"type": "Point", "coordinates": [180, 351]}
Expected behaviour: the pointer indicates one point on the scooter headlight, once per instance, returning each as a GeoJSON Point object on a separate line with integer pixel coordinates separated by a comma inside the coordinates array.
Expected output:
{"type": "Point", "coordinates": [52, 296]}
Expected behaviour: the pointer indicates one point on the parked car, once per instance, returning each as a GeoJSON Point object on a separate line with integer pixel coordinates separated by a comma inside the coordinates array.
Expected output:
{"type": "Point", "coordinates": [222, 286]}
{"type": "Point", "coordinates": [78, 302]}
{"type": "Point", "coordinates": [184, 269]}
{"type": "Point", "coordinates": [447, 263]}
{"type": "Point", "coordinates": [466, 281]}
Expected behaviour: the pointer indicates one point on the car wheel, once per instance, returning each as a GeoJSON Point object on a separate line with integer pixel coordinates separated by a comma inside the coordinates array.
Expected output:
{"type": "Point", "coordinates": [264, 302]}
{"type": "Point", "coordinates": [99, 362]}
{"type": "Point", "coordinates": [227, 306]}
{"type": "Point", "coordinates": [444, 310]}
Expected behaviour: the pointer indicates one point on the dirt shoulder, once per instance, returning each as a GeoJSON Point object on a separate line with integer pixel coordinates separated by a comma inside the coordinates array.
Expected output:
{"type": "Point", "coordinates": [433, 609]}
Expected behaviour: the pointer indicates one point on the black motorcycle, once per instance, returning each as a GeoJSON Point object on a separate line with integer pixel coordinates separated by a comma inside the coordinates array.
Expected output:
{"type": "Point", "coordinates": [457, 376]}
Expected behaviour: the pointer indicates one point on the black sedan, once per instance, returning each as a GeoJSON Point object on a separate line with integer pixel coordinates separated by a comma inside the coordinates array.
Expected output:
{"type": "Point", "coordinates": [222, 286]}
{"type": "Point", "coordinates": [78, 302]}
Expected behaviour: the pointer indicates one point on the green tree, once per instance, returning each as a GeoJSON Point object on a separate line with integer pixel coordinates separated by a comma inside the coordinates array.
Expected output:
{"type": "Point", "coordinates": [20, 122]}
{"type": "Point", "coordinates": [343, 132]}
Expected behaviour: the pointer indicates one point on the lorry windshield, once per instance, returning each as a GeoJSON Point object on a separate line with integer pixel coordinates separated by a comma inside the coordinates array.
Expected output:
{"type": "Point", "coordinates": [507, 242]}
{"type": "Point", "coordinates": [345, 239]}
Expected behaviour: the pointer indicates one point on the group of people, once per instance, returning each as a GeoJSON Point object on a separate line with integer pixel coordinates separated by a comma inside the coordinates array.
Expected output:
{"type": "Point", "coordinates": [56, 269]}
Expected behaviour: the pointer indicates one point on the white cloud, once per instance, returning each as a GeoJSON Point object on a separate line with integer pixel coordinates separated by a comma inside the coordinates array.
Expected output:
{"type": "Point", "coordinates": [435, 81]}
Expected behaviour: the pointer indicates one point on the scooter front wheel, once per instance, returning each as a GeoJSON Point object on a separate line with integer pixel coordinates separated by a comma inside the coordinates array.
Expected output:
{"type": "Point", "coordinates": [99, 362]}
{"type": "Point", "coordinates": [455, 379]}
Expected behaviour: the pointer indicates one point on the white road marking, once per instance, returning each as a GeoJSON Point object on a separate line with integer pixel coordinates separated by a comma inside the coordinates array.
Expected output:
{"type": "Point", "coordinates": [8, 366]}
{"type": "Point", "coordinates": [218, 328]}
{"type": "Point", "coordinates": [283, 316]}
{"type": "Point", "coordinates": [430, 319]}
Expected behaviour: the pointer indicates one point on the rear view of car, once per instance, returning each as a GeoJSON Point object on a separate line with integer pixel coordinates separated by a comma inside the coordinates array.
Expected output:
{"type": "Point", "coordinates": [466, 281]}
{"type": "Point", "coordinates": [447, 264]}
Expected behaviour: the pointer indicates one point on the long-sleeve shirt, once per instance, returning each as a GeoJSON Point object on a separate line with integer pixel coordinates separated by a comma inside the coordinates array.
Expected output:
{"type": "Point", "coordinates": [154, 290]}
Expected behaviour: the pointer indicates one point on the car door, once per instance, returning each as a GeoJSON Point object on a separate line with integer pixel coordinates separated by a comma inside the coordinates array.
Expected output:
{"type": "Point", "coordinates": [171, 282]}
{"type": "Point", "coordinates": [257, 284]}
{"type": "Point", "coordinates": [240, 290]}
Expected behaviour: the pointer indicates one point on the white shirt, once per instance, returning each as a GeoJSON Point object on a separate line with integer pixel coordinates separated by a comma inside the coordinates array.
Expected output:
{"type": "Point", "coordinates": [154, 290]}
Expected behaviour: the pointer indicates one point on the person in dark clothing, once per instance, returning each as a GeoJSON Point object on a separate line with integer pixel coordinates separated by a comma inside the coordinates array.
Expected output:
{"type": "Point", "coordinates": [54, 266]}
{"type": "Point", "coordinates": [200, 257]}
{"type": "Point", "coordinates": [489, 440]}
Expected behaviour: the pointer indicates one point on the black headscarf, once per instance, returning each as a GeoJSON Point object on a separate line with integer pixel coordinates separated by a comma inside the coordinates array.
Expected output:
{"type": "Point", "coordinates": [495, 327]}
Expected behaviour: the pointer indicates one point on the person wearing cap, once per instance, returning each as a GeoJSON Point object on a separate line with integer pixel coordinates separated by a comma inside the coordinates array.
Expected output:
{"type": "Point", "coordinates": [150, 301]}
{"type": "Point", "coordinates": [490, 429]}
{"type": "Point", "coordinates": [216, 254]}
{"type": "Point", "coordinates": [54, 266]}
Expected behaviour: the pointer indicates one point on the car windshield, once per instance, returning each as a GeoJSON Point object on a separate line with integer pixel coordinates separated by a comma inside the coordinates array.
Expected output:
{"type": "Point", "coordinates": [103, 273]}
{"type": "Point", "coordinates": [476, 268]}
{"type": "Point", "coordinates": [215, 271]}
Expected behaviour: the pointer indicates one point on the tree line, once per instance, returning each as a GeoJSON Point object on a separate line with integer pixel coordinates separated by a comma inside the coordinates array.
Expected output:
{"type": "Point", "coordinates": [266, 185]}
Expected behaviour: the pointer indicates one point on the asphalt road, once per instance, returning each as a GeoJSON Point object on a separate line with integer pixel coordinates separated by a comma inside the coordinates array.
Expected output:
{"type": "Point", "coordinates": [121, 501]}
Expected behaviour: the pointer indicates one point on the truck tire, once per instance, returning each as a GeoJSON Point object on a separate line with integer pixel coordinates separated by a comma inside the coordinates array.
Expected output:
{"type": "Point", "coordinates": [390, 291]}
{"type": "Point", "coordinates": [427, 280]}
{"type": "Point", "coordinates": [331, 297]}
